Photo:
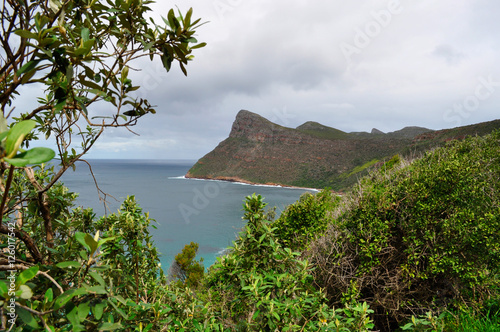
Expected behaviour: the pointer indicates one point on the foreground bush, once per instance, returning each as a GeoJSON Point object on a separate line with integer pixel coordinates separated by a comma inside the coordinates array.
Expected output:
{"type": "Point", "coordinates": [262, 286]}
{"type": "Point", "coordinates": [423, 236]}
{"type": "Point", "coordinates": [106, 279]}
{"type": "Point", "coordinates": [304, 220]}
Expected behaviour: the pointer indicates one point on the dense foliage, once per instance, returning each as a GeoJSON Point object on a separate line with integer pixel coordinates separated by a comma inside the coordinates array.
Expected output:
{"type": "Point", "coordinates": [185, 268]}
{"type": "Point", "coordinates": [303, 221]}
{"type": "Point", "coordinates": [262, 286]}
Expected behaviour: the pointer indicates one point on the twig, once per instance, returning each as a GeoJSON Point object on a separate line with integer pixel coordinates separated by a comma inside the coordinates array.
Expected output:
{"type": "Point", "coordinates": [22, 267]}
{"type": "Point", "coordinates": [6, 191]}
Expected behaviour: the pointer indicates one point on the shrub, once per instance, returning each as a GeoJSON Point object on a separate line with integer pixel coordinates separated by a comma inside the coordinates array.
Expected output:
{"type": "Point", "coordinates": [185, 268]}
{"type": "Point", "coordinates": [105, 281]}
{"type": "Point", "coordinates": [304, 220]}
{"type": "Point", "coordinates": [422, 236]}
{"type": "Point", "coordinates": [262, 286]}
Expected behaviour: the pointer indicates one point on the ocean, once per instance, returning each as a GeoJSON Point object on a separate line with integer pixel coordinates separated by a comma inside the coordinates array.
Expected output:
{"type": "Point", "coordinates": [204, 211]}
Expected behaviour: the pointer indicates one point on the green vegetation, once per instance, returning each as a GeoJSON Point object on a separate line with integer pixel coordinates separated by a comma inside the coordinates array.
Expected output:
{"type": "Point", "coordinates": [361, 168]}
{"type": "Point", "coordinates": [263, 286]}
{"type": "Point", "coordinates": [185, 268]}
{"type": "Point", "coordinates": [304, 220]}
{"type": "Point", "coordinates": [318, 130]}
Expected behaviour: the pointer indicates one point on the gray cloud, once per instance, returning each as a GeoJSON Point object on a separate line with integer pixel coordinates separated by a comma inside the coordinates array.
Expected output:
{"type": "Point", "coordinates": [449, 54]}
{"type": "Point", "coordinates": [411, 63]}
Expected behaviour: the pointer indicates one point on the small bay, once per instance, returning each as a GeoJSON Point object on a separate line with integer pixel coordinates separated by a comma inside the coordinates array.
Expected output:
{"type": "Point", "coordinates": [203, 211]}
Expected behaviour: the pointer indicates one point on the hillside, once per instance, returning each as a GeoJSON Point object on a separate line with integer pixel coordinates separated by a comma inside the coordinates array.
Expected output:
{"type": "Point", "coordinates": [313, 155]}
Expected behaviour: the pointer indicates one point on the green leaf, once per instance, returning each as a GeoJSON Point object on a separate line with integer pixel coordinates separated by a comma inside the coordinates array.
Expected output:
{"type": "Point", "coordinates": [98, 290]}
{"type": "Point", "coordinates": [172, 21]}
{"type": "Point", "coordinates": [16, 136]}
{"type": "Point", "coordinates": [49, 295]}
{"type": "Point", "coordinates": [91, 85]}
{"type": "Point", "coordinates": [3, 289]}
{"type": "Point", "coordinates": [29, 75]}
{"type": "Point", "coordinates": [98, 310]}
{"type": "Point", "coordinates": [67, 264]}
{"type": "Point", "coordinates": [102, 241]}
{"type": "Point", "coordinates": [64, 298]}
{"type": "Point", "coordinates": [18, 162]}
{"type": "Point", "coordinates": [187, 18]}
{"type": "Point", "coordinates": [83, 311]}
{"type": "Point", "coordinates": [131, 113]}
{"type": "Point", "coordinates": [93, 245]}
{"type": "Point", "coordinates": [118, 310]}
{"type": "Point", "coordinates": [28, 67]}
{"type": "Point", "coordinates": [26, 34]}
{"type": "Point", "coordinates": [70, 71]}
{"type": "Point", "coordinates": [125, 71]}
{"type": "Point", "coordinates": [85, 34]}
{"type": "Point", "coordinates": [183, 69]}
{"type": "Point", "coordinates": [200, 45]}
{"type": "Point", "coordinates": [27, 318]}
{"type": "Point", "coordinates": [25, 292]}
{"type": "Point", "coordinates": [55, 5]}
{"type": "Point", "coordinates": [97, 277]}
{"type": "Point", "coordinates": [32, 156]}
{"type": "Point", "coordinates": [27, 275]}
{"type": "Point", "coordinates": [109, 326]}
{"type": "Point", "coordinates": [3, 127]}
{"type": "Point", "coordinates": [85, 49]}
{"type": "Point", "coordinates": [407, 326]}
{"type": "Point", "coordinates": [73, 318]}
{"type": "Point", "coordinates": [80, 237]}
{"type": "Point", "coordinates": [96, 92]}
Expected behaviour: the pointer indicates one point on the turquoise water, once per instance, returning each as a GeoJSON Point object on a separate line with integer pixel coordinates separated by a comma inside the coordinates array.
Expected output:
{"type": "Point", "coordinates": [203, 211]}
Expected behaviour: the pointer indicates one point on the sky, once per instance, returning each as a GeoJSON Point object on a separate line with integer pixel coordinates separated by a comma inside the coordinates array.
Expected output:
{"type": "Point", "coordinates": [351, 65]}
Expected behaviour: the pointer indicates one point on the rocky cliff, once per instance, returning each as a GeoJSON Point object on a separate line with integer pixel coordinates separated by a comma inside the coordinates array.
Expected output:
{"type": "Point", "coordinates": [312, 155]}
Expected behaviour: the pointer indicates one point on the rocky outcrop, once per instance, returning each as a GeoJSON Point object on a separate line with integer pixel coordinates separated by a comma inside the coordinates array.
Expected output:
{"type": "Point", "coordinates": [311, 155]}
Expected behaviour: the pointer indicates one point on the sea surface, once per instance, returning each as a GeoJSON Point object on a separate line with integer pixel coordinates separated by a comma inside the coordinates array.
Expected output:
{"type": "Point", "coordinates": [204, 211]}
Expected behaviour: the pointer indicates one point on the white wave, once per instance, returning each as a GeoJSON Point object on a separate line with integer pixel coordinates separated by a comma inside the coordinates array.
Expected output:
{"type": "Point", "coordinates": [183, 177]}
{"type": "Point", "coordinates": [177, 177]}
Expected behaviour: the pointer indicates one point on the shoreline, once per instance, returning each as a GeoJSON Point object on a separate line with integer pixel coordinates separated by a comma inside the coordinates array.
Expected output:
{"type": "Point", "coordinates": [235, 179]}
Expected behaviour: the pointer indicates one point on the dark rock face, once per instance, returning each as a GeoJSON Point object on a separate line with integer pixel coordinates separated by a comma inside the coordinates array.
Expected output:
{"type": "Point", "coordinates": [312, 155]}
{"type": "Point", "coordinates": [255, 128]}
{"type": "Point", "coordinates": [251, 126]}
{"type": "Point", "coordinates": [375, 131]}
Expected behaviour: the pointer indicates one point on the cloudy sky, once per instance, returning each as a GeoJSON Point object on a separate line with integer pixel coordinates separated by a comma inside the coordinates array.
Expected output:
{"type": "Point", "coordinates": [352, 65]}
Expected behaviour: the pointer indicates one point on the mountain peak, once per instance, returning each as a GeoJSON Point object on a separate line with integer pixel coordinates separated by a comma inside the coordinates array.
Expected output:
{"type": "Point", "coordinates": [410, 132]}
{"type": "Point", "coordinates": [375, 131]}
{"type": "Point", "coordinates": [312, 125]}
{"type": "Point", "coordinates": [248, 124]}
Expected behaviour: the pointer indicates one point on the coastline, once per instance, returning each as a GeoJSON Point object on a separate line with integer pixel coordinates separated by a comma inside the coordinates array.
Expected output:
{"type": "Point", "coordinates": [235, 179]}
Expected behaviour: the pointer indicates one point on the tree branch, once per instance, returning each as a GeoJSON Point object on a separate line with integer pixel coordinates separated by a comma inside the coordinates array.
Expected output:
{"type": "Point", "coordinates": [44, 207]}
{"type": "Point", "coordinates": [28, 241]}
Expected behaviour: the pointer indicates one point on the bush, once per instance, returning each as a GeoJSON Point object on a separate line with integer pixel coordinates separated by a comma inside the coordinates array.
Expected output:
{"type": "Point", "coordinates": [421, 236]}
{"type": "Point", "coordinates": [185, 269]}
{"type": "Point", "coordinates": [304, 220]}
{"type": "Point", "coordinates": [262, 286]}
{"type": "Point", "coordinates": [109, 280]}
